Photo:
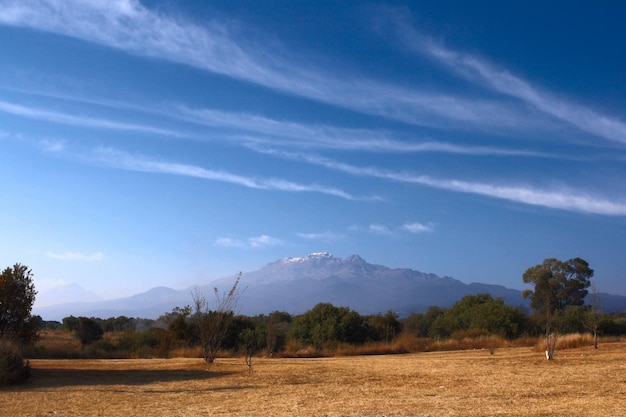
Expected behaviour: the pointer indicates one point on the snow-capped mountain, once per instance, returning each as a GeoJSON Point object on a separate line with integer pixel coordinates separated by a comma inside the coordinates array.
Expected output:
{"type": "Point", "coordinates": [295, 285]}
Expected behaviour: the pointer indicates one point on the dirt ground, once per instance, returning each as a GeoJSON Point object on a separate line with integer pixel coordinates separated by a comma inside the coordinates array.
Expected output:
{"type": "Point", "coordinates": [512, 382]}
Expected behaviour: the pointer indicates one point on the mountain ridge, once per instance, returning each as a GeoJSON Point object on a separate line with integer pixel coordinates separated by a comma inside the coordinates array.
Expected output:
{"type": "Point", "coordinates": [295, 285]}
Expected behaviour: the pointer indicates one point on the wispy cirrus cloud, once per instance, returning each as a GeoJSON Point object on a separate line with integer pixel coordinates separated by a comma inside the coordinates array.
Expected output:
{"type": "Point", "coordinates": [253, 130]}
{"type": "Point", "coordinates": [277, 132]}
{"type": "Point", "coordinates": [123, 160]}
{"type": "Point", "coordinates": [562, 198]}
{"type": "Point", "coordinates": [481, 72]}
{"type": "Point", "coordinates": [255, 242]}
{"type": "Point", "coordinates": [396, 146]}
{"type": "Point", "coordinates": [68, 119]}
{"type": "Point", "coordinates": [75, 256]}
{"type": "Point", "coordinates": [585, 119]}
{"type": "Point", "coordinates": [217, 47]}
{"type": "Point", "coordinates": [129, 26]}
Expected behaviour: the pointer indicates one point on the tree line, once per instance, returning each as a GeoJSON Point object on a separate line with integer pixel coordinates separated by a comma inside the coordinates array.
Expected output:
{"type": "Point", "coordinates": [557, 302]}
{"type": "Point", "coordinates": [326, 326]}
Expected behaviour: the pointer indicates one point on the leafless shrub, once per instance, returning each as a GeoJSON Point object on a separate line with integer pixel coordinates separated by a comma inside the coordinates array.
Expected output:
{"type": "Point", "coordinates": [213, 325]}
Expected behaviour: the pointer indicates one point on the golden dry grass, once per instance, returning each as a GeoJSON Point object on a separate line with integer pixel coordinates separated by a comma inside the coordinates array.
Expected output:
{"type": "Point", "coordinates": [513, 382]}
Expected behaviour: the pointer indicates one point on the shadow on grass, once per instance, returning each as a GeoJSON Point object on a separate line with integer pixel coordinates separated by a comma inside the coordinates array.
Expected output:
{"type": "Point", "coordinates": [52, 378]}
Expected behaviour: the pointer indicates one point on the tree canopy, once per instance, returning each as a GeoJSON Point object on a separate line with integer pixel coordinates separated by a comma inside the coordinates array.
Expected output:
{"type": "Point", "coordinates": [17, 295]}
{"type": "Point", "coordinates": [557, 284]}
{"type": "Point", "coordinates": [559, 288]}
{"type": "Point", "coordinates": [480, 312]}
{"type": "Point", "coordinates": [88, 331]}
{"type": "Point", "coordinates": [326, 323]}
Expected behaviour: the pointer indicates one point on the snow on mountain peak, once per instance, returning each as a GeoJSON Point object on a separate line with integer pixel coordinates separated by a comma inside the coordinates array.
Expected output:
{"type": "Point", "coordinates": [320, 255]}
{"type": "Point", "coordinates": [310, 257]}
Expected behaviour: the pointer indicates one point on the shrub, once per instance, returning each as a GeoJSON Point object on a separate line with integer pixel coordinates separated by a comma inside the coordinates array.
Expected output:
{"type": "Point", "coordinates": [13, 368]}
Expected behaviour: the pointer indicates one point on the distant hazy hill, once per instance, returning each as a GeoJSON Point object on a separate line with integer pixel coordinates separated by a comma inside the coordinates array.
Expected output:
{"type": "Point", "coordinates": [64, 294]}
{"type": "Point", "coordinates": [295, 285]}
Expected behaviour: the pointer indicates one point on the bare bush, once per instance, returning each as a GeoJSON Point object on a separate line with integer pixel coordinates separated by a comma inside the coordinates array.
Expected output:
{"type": "Point", "coordinates": [213, 325]}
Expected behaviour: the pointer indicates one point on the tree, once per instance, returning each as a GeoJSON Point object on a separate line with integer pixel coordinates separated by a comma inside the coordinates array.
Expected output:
{"type": "Point", "coordinates": [70, 323]}
{"type": "Point", "coordinates": [556, 284]}
{"type": "Point", "coordinates": [479, 312]}
{"type": "Point", "coordinates": [17, 295]}
{"type": "Point", "coordinates": [178, 325]}
{"type": "Point", "coordinates": [326, 323]}
{"type": "Point", "coordinates": [420, 324]}
{"type": "Point", "coordinates": [251, 339]}
{"type": "Point", "coordinates": [385, 327]}
{"type": "Point", "coordinates": [594, 315]}
{"type": "Point", "coordinates": [88, 331]}
{"type": "Point", "coordinates": [213, 326]}
{"type": "Point", "coordinates": [276, 329]}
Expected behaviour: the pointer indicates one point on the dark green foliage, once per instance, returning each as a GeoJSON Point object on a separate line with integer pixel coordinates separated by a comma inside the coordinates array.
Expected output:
{"type": "Point", "coordinates": [70, 323]}
{"type": "Point", "coordinates": [116, 324]}
{"type": "Point", "coordinates": [613, 325]}
{"type": "Point", "coordinates": [49, 324]}
{"type": "Point", "coordinates": [273, 329]}
{"type": "Point", "coordinates": [326, 323]}
{"type": "Point", "coordinates": [251, 341]}
{"type": "Point", "coordinates": [17, 295]}
{"type": "Point", "coordinates": [13, 368]}
{"type": "Point", "coordinates": [385, 328]}
{"type": "Point", "coordinates": [129, 341]}
{"type": "Point", "coordinates": [180, 325]}
{"type": "Point", "coordinates": [88, 331]}
{"type": "Point", "coordinates": [112, 324]}
{"type": "Point", "coordinates": [154, 342]}
{"type": "Point", "coordinates": [152, 337]}
{"type": "Point", "coordinates": [557, 284]}
{"type": "Point", "coordinates": [482, 312]}
{"type": "Point", "coordinates": [277, 326]}
{"type": "Point", "coordinates": [419, 324]}
{"type": "Point", "coordinates": [572, 319]}
{"type": "Point", "coordinates": [238, 324]}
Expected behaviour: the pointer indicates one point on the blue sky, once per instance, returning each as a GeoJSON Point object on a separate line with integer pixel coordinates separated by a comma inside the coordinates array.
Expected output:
{"type": "Point", "coordinates": [172, 143]}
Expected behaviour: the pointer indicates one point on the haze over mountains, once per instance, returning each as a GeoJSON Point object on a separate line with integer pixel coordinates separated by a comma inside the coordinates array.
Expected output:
{"type": "Point", "coordinates": [295, 285]}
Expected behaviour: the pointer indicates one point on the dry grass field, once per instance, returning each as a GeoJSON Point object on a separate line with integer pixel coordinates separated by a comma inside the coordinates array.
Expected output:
{"type": "Point", "coordinates": [512, 382]}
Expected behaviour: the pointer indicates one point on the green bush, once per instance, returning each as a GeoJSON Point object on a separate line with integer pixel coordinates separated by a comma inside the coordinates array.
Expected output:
{"type": "Point", "coordinates": [13, 368]}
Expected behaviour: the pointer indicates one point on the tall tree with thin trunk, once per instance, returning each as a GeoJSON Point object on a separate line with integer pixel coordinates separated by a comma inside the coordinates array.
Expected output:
{"type": "Point", "coordinates": [594, 315]}
{"type": "Point", "coordinates": [557, 284]}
